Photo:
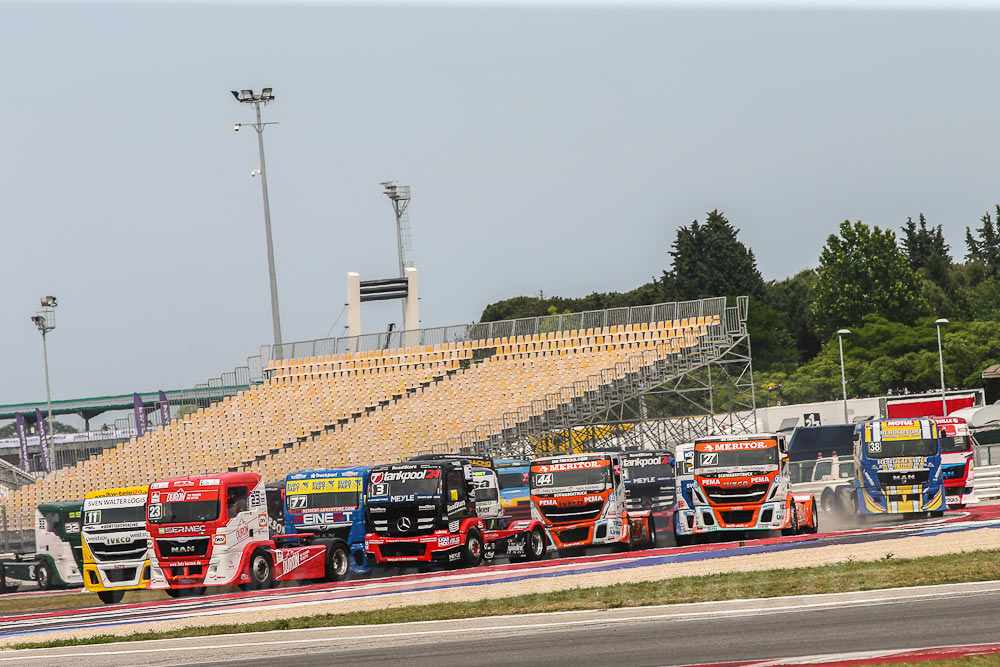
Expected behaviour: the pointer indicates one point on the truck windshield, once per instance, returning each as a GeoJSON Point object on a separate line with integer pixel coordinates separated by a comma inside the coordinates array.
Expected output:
{"type": "Point", "coordinates": [737, 458]}
{"type": "Point", "coordinates": [887, 449]}
{"type": "Point", "coordinates": [955, 443]}
{"type": "Point", "coordinates": [512, 480]}
{"type": "Point", "coordinates": [190, 511]}
{"type": "Point", "coordinates": [541, 481]}
{"type": "Point", "coordinates": [328, 500]}
{"type": "Point", "coordinates": [648, 473]}
{"type": "Point", "coordinates": [108, 515]}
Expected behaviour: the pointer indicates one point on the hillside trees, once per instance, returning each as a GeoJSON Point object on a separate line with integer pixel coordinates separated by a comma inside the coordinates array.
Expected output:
{"type": "Point", "coordinates": [862, 271]}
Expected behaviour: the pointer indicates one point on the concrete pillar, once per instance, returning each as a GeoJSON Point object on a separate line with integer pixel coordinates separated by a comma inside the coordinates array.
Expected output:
{"type": "Point", "coordinates": [353, 304]}
{"type": "Point", "coordinates": [411, 308]}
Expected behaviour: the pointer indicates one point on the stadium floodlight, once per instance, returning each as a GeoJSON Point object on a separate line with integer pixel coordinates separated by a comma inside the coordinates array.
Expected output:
{"type": "Point", "coordinates": [944, 399]}
{"type": "Point", "coordinates": [843, 377]}
{"type": "Point", "coordinates": [45, 321]}
{"type": "Point", "coordinates": [247, 96]}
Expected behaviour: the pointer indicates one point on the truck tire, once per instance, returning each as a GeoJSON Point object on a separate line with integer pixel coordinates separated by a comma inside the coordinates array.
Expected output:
{"type": "Point", "coordinates": [936, 515]}
{"type": "Point", "coordinates": [794, 528]}
{"type": "Point", "coordinates": [814, 528]}
{"type": "Point", "coordinates": [682, 540]}
{"type": "Point", "coordinates": [43, 575]}
{"type": "Point", "coordinates": [651, 527]}
{"type": "Point", "coordinates": [535, 547]}
{"type": "Point", "coordinates": [111, 597]}
{"type": "Point", "coordinates": [4, 588]}
{"type": "Point", "coordinates": [261, 572]}
{"type": "Point", "coordinates": [338, 561]}
{"type": "Point", "coordinates": [472, 550]}
{"type": "Point", "coordinates": [828, 501]}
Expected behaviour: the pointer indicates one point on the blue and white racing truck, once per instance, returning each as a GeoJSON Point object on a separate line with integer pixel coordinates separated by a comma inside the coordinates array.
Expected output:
{"type": "Point", "coordinates": [328, 504]}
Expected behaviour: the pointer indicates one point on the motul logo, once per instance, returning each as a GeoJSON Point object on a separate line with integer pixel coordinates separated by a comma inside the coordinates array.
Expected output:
{"type": "Point", "coordinates": [404, 475]}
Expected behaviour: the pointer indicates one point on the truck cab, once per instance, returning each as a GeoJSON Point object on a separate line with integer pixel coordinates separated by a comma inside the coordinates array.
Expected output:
{"type": "Point", "coordinates": [898, 467]}
{"type": "Point", "coordinates": [57, 558]}
{"type": "Point", "coordinates": [205, 529]}
{"type": "Point", "coordinates": [115, 542]}
{"type": "Point", "coordinates": [329, 504]}
{"type": "Point", "coordinates": [581, 501]}
{"type": "Point", "coordinates": [957, 461]}
{"type": "Point", "coordinates": [650, 487]}
{"type": "Point", "coordinates": [515, 492]}
{"type": "Point", "coordinates": [425, 511]}
{"type": "Point", "coordinates": [741, 485]}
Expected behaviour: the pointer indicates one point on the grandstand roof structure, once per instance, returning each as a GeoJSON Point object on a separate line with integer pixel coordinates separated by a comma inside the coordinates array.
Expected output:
{"type": "Point", "coordinates": [91, 407]}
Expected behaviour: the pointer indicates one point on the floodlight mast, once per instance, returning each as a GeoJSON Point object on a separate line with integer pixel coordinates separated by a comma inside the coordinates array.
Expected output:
{"type": "Point", "coordinates": [247, 96]}
{"type": "Point", "coordinates": [400, 197]}
{"type": "Point", "coordinates": [45, 321]}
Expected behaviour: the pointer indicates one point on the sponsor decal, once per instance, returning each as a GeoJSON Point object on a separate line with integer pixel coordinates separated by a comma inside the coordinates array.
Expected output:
{"type": "Point", "coordinates": [159, 485]}
{"type": "Point", "coordinates": [649, 461]}
{"type": "Point", "coordinates": [219, 539]}
{"type": "Point", "coordinates": [709, 459]}
{"type": "Point", "coordinates": [193, 528]}
{"type": "Point", "coordinates": [242, 532]}
{"type": "Point", "coordinates": [405, 475]}
{"type": "Point", "coordinates": [572, 465]}
{"type": "Point", "coordinates": [735, 446]}
{"type": "Point", "coordinates": [449, 541]}
{"type": "Point", "coordinates": [208, 482]}
{"type": "Point", "coordinates": [324, 518]}
{"type": "Point", "coordinates": [454, 556]}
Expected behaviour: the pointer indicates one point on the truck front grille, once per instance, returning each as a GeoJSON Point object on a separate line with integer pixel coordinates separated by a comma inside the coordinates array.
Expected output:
{"type": "Point", "coordinates": [574, 534]}
{"type": "Point", "coordinates": [903, 477]}
{"type": "Point", "coordinates": [117, 576]}
{"type": "Point", "coordinates": [112, 552]}
{"type": "Point", "coordinates": [403, 550]}
{"type": "Point", "coordinates": [737, 496]}
{"type": "Point", "coordinates": [737, 516]}
{"type": "Point", "coordinates": [183, 547]}
{"type": "Point", "coordinates": [404, 520]}
{"type": "Point", "coordinates": [573, 513]}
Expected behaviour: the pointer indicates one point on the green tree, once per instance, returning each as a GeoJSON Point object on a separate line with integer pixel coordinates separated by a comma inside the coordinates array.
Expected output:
{"type": "Point", "coordinates": [709, 260]}
{"type": "Point", "coordinates": [927, 250]}
{"type": "Point", "coordinates": [862, 271]}
{"type": "Point", "coordinates": [984, 245]}
{"type": "Point", "coordinates": [792, 299]}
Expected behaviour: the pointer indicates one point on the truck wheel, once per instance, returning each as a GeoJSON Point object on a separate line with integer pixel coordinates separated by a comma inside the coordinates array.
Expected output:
{"type": "Point", "coordinates": [814, 526]}
{"type": "Point", "coordinates": [111, 597]}
{"type": "Point", "coordinates": [936, 515]}
{"type": "Point", "coordinates": [794, 528]}
{"type": "Point", "coordinates": [651, 527]}
{"type": "Point", "coordinates": [682, 540]}
{"type": "Point", "coordinates": [261, 572]}
{"type": "Point", "coordinates": [828, 501]}
{"type": "Point", "coordinates": [43, 575]}
{"type": "Point", "coordinates": [472, 552]}
{"type": "Point", "coordinates": [535, 547]}
{"type": "Point", "coordinates": [338, 564]}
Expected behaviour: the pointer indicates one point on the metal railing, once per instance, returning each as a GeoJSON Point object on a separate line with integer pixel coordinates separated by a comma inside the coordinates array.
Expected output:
{"type": "Point", "coordinates": [528, 326]}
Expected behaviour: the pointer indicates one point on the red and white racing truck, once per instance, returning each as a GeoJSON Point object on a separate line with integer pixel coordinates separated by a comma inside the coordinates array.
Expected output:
{"type": "Point", "coordinates": [425, 511]}
{"type": "Point", "coordinates": [957, 461]}
{"type": "Point", "coordinates": [582, 502]}
{"type": "Point", "coordinates": [212, 530]}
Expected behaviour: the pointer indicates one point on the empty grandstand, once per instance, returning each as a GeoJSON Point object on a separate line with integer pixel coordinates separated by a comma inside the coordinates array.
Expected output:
{"type": "Point", "coordinates": [490, 385]}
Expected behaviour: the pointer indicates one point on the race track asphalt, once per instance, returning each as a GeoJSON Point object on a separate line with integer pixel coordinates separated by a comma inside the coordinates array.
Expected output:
{"type": "Point", "coordinates": [666, 635]}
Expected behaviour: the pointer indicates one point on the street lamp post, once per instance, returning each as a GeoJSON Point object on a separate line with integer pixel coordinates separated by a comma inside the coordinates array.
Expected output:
{"type": "Point", "coordinates": [843, 377]}
{"type": "Point", "coordinates": [45, 320]}
{"type": "Point", "coordinates": [249, 97]}
{"type": "Point", "coordinates": [944, 399]}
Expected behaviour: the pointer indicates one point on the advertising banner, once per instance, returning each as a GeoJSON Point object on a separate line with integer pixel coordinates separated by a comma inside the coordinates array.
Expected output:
{"type": "Point", "coordinates": [140, 415]}
{"type": "Point", "coordinates": [43, 442]}
{"type": "Point", "coordinates": [164, 409]}
{"type": "Point", "coordinates": [22, 441]}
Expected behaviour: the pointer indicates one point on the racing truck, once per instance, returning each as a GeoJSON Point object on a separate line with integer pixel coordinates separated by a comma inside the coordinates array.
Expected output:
{"type": "Point", "coordinates": [956, 462]}
{"type": "Point", "coordinates": [581, 501]}
{"type": "Point", "coordinates": [114, 540]}
{"type": "Point", "coordinates": [330, 504]}
{"type": "Point", "coordinates": [515, 494]}
{"type": "Point", "coordinates": [898, 467]}
{"type": "Point", "coordinates": [741, 486]}
{"type": "Point", "coordinates": [650, 488]}
{"type": "Point", "coordinates": [684, 471]}
{"type": "Point", "coordinates": [212, 530]}
{"type": "Point", "coordinates": [55, 560]}
{"type": "Point", "coordinates": [424, 511]}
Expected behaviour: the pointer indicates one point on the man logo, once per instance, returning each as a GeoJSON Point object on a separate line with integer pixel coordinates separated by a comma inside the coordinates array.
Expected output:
{"type": "Point", "coordinates": [404, 524]}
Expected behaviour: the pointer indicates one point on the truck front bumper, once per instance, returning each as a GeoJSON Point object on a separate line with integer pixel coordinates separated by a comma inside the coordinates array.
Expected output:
{"type": "Point", "coordinates": [704, 519]}
{"type": "Point", "coordinates": [116, 576]}
{"type": "Point", "coordinates": [437, 547]}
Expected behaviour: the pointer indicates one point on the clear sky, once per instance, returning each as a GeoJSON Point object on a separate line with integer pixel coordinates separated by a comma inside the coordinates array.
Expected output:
{"type": "Point", "coordinates": [551, 147]}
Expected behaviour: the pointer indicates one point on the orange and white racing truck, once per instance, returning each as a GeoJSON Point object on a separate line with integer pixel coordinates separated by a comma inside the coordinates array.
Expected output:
{"type": "Point", "coordinates": [581, 501]}
{"type": "Point", "coordinates": [212, 530]}
{"type": "Point", "coordinates": [741, 486]}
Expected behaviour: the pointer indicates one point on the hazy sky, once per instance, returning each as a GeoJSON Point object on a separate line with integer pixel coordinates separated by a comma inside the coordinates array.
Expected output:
{"type": "Point", "coordinates": [553, 147]}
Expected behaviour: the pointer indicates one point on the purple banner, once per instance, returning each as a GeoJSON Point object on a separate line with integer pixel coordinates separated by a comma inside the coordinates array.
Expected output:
{"type": "Point", "coordinates": [140, 415]}
{"type": "Point", "coordinates": [164, 409]}
{"type": "Point", "coordinates": [43, 442]}
{"type": "Point", "coordinates": [22, 441]}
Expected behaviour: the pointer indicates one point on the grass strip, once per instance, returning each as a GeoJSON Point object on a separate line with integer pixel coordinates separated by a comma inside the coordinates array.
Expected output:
{"type": "Point", "coordinates": [992, 660]}
{"type": "Point", "coordinates": [850, 575]}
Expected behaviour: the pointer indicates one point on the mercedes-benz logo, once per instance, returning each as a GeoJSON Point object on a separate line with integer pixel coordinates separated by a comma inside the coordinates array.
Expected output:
{"type": "Point", "coordinates": [404, 523]}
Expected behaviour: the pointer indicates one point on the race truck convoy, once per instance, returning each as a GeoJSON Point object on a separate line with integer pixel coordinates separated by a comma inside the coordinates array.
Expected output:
{"type": "Point", "coordinates": [650, 488]}
{"type": "Point", "coordinates": [114, 540]}
{"type": "Point", "coordinates": [424, 511]}
{"type": "Point", "coordinates": [741, 485]}
{"type": "Point", "coordinates": [55, 560]}
{"type": "Point", "coordinates": [330, 503]}
{"type": "Point", "coordinates": [212, 530]}
{"type": "Point", "coordinates": [581, 501]}
{"type": "Point", "coordinates": [898, 467]}
{"type": "Point", "coordinates": [515, 494]}
{"type": "Point", "coordinates": [956, 461]}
